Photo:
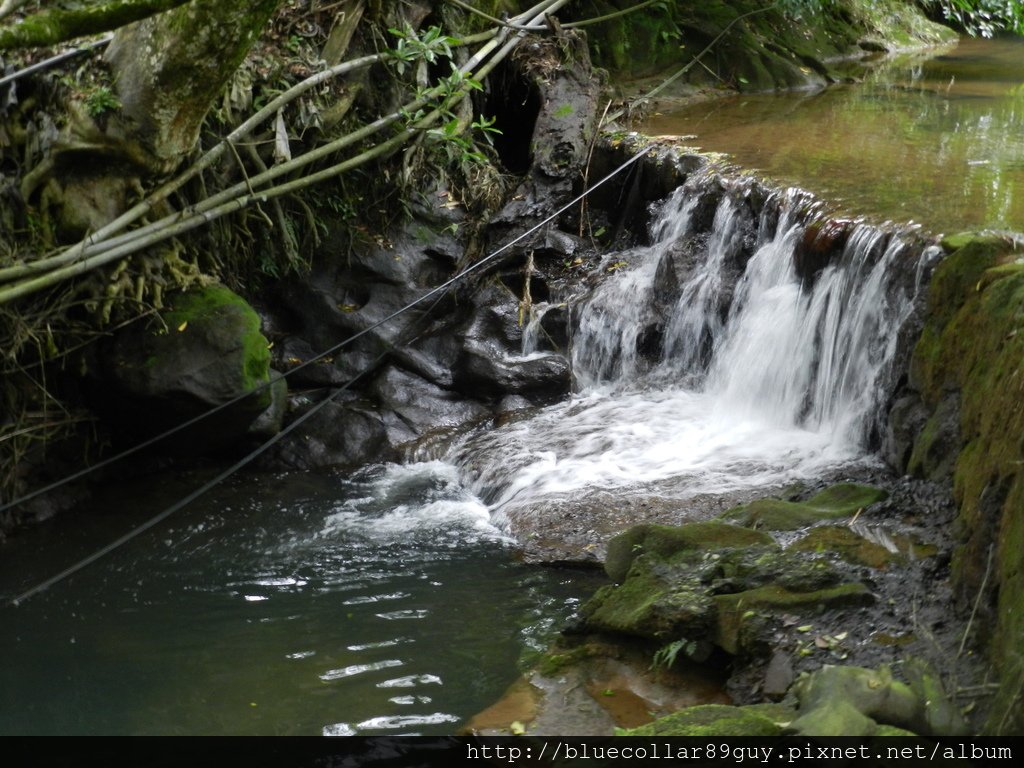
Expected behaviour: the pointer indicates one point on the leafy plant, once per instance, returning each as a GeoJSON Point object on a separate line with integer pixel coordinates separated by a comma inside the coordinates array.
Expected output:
{"type": "Point", "coordinates": [665, 656]}
{"type": "Point", "coordinates": [101, 100]}
{"type": "Point", "coordinates": [983, 17]}
{"type": "Point", "coordinates": [486, 127]}
{"type": "Point", "coordinates": [411, 47]}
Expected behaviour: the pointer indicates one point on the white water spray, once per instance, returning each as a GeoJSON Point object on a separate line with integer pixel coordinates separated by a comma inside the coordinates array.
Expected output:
{"type": "Point", "coordinates": [761, 375]}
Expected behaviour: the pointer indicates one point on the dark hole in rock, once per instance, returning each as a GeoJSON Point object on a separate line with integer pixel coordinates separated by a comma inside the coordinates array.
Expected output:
{"type": "Point", "coordinates": [539, 290]}
{"type": "Point", "coordinates": [515, 103]}
{"type": "Point", "coordinates": [651, 342]}
{"type": "Point", "coordinates": [435, 269]}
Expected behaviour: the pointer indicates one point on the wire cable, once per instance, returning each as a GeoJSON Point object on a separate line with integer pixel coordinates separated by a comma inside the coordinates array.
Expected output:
{"type": "Point", "coordinates": [228, 403]}
{"type": "Point", "coordinates": [263, 447]}
{"type": "Point", "coordinates": [224, 475]}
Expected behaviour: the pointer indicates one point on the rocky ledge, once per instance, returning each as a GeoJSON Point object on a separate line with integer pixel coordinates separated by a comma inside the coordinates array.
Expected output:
{"type": "Point", "coordinates": [824, 612]}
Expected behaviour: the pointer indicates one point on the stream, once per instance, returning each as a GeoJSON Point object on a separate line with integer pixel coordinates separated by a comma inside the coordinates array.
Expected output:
{"type": "Point", "coordinates": [391, 601]}
{"type": "Point", "coordinates": [935, 137]}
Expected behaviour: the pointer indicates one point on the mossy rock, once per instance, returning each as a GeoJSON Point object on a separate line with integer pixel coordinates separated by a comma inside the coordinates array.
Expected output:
{"type": "Point", "coordinates": [740, 570]}
{"type": "Point", "coordinates": [666, 541]}
{"type": "Point", "coordinates": [837, 501]}
{"type": "Point", "coordinates": [854, 701]}
{"type": "Point", "coordinates": [216, 305]}
{"type": "Point", "coordinates": [744, 619]}
{"type": "Point", "coordinates": [710, 720]}
{"type": "Point", "coordinates": [657, 601]}
{"type": "Point", "coordinates": [204, 350]}
{"type": "Point", "coordinates": [848, 545]}
{"type": "Point", "coordinates": [971, 355]}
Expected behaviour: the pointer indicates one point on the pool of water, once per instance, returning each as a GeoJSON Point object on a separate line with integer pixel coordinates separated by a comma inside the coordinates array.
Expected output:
{"type": "Point", "coordinates": [935, 137]}
{"type": "Point", "coordinates": [302, 604]}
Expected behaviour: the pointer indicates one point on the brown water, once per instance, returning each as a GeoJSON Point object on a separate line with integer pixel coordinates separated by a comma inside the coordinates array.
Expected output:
{"type": "Point", "coordinates": [936, 137]}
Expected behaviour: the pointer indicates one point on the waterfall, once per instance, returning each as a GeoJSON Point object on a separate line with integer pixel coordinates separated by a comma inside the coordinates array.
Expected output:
{"type": "Point", "coordinates": [752, 341]}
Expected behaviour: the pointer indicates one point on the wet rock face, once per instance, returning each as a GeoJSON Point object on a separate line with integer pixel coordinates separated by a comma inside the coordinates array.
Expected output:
{"type": "Point", "coordinates": [449, 362]}
{"type": "Point", "coordinates": [490, 362]}
{"type": "Point", "coordinates": [421, 406]}
{"type": "Point", "coordinates": [443, 366]}
{"type": "Point", "coordinates": [822, 242]}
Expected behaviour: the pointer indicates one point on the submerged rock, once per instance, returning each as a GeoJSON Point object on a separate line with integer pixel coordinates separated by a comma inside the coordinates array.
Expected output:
{"type": "Point", "coordinates": [596, 686]}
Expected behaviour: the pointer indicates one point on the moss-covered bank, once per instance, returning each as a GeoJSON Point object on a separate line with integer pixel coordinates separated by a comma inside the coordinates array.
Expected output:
{"type": "Point", "coordinates": [759, 45]}
{"type": "Point", "coordinates": [968, 371]}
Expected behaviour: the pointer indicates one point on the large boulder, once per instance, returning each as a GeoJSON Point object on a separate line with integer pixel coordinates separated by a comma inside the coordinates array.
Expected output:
{"type": "Point", "coordinates": [711, 585]}
{"type": "Point", "coordinates": [203, 351]}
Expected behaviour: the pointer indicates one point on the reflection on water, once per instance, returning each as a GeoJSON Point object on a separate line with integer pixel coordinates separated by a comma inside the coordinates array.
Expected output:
{"type": "Point", "coordinates": [276, 606]}
{"type": "Point", "coordinates": [937, 137]}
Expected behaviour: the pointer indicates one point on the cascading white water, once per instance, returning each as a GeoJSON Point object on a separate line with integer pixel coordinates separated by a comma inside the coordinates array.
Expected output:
{"type": "Point", "coordinates": [758, 379]}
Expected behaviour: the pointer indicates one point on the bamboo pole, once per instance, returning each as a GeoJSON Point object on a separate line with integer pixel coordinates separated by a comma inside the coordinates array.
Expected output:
{"type": "Point", "coordinates": [103, 238]}
{"type": "Point", "coordinates": [243, 194]}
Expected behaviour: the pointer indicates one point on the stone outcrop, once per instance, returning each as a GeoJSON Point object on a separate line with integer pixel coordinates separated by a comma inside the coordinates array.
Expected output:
{"type": "Point", "coordinates": [962, 420]}
{"type": "Point", "coordinates": [203, 351]}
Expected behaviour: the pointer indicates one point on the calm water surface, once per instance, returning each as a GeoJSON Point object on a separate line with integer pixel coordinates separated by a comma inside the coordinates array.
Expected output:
{"type": "Point", "coordinates": [936, 138]}
{"type": "Point", "coordinates": [303, 604]}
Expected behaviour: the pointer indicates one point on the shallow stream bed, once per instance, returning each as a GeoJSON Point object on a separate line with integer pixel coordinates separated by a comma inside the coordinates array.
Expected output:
{"type": "Point", "coordinates": [936, 137]}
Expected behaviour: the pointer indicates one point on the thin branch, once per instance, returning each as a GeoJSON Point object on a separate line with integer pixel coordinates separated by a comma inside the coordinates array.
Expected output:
{"type": "Point", "coordinates": [59, 25]}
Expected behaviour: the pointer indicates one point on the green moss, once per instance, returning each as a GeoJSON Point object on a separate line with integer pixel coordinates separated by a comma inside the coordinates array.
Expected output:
{"type": "Point", "coordinates": [847, 544]}
{"type": "Point", "coordinates": [853, 701]}
{"type": "Point", "coordinates": [740, 617]}
{"type": "Point", "coordinates": [973, 346]}
{"type": "Point", "coordinates": [709, 720]}
{"type": "Point", "coordinates": [553, 663]}
{"type": "Point", "coordinates": [666, 541]}
{"type": "Point", "coordinates": [929, 457]}
{"type": "Point", "coordinates": [59, 24]}
{"type": "Point", "coordinates": [216, 304]}
{"type": "Point", "coordinates": [655, 602]}
{"type": "Point", "coordinates": [834, 502]}
{"type": "Point", "coordinates": [755, 567]}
